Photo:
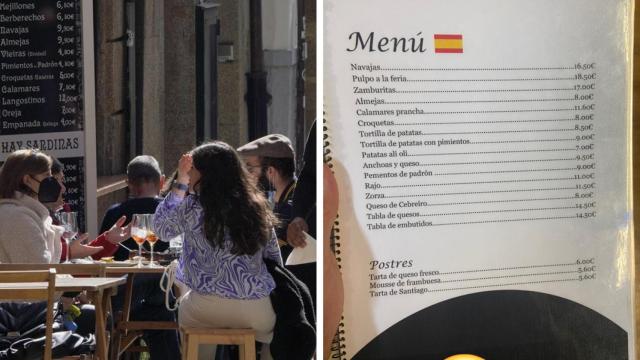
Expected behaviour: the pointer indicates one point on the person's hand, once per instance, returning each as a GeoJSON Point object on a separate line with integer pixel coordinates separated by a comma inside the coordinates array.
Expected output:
{"type": "Point", "coordinates": [78, 249]}
{"type": "Point", "coordinates": [333, 287]}
{"type": "Point", "coordinates": [295, 232]}
{"type": "Point", "coordinates": [82, 298]}
{"type": "Point", "coordinates": [184, 166]}
{"type": "Point", "coordinates": [118, 233]}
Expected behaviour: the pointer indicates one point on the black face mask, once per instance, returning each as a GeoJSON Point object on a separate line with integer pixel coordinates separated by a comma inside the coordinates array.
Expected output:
{"type": "Point", "coordinates": [49, 189]}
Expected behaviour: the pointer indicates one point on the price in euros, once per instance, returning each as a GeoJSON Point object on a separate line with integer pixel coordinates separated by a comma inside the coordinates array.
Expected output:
{"type": "Point", "coordinates": [589, 76]}
{"type": "Point", "coordinates": [586, 269]}
{"type": "Point", "coordinates": [586, 205]}
{"type": "Point", "coordinates": [586, 186]}
{"type": "Point", "coordinates": [585, 261]}
{"type": "Point", "coordinates": [64, 28]}
{"type": "Point", "coordinates": [585, 107]}
{"type": "Point", "coordinates": [585, 157]}
{"type": "Point", "coordinates": [65, 40]}
{"type": "Point", "coordinates": [586, 66]}
{"type": "Point", "coordinates": [586, 166]}
{"type": "Point", "coordinates": [589, 137]}
{"type": "Point", "coordinates": [63, 17]}
{"type": "Point", "coordinates": [584, 117]}
{"type": "Point", "coordinates": [586, 215]}
{"type": "Point", "coordinates": [591, 86]}
{"type": "Point", "coordinates": [65, 4]}
{"type": "Point", "coordinates": [587, 277]}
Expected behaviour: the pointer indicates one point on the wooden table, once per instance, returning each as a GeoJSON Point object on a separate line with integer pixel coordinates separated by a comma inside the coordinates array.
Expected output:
{"type": "Point", "coordinates": [99, 291]}
{"type": "Point", "coordinates": [121, 340]}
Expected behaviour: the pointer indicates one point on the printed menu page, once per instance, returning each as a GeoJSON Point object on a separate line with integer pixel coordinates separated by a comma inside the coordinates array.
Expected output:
{"type": "Point", "coordinates": [482, 151]}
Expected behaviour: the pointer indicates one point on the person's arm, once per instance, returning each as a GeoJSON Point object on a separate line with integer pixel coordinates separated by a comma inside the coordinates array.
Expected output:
{"type": "Point", "coordinates": [304, 196]}
{"type": "Point", "coordinates": [78, 249]}
{"type": "Point", "coordinates": [23, 240]}
{"type": "Point", "coordinates": [63, 252]}
{"type": "Point", "coordinates": [272, 250]}
{"type": "Point", "coordinates": [108, 248]}
{"type": "Point", "coordinates": [168, 220]}
{"type": "Point", "coordinates": [105, 244]}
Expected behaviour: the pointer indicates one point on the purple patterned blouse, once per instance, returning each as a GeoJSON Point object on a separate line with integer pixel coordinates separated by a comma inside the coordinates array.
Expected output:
{"type": "Point", "coordinates": [213, 270]}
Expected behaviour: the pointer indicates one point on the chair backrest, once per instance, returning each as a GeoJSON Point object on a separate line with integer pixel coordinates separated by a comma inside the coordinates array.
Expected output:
{"type": "Point", "coordinates": [32, 285]}
{"type": "Point", "coordinates": [91, 270]}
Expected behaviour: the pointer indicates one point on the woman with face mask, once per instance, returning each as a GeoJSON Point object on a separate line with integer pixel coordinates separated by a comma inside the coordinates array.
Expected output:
{"type": "Point", "coordinates": [27, 233]}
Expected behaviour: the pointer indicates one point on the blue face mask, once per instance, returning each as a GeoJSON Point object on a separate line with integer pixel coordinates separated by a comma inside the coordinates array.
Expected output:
{"type": "Point", "coordinates": [271, 199]}
{"type": "Point", "coordinates": [49, 190]}
{"type": "Point", "coordinates": [266, 186]}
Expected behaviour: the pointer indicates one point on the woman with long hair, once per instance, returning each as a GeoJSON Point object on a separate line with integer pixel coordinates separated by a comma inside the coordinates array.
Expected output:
{"type": "Point", "coordinates": [228, 231]}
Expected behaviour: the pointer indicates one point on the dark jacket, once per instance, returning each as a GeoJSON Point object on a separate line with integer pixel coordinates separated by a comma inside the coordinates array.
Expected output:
{"type": "Point", "coordinates": [304, 197]}
{"type": "Point", "coordinates": [128, 208]}
{"type": "Point", "coordinates": [294, 334]}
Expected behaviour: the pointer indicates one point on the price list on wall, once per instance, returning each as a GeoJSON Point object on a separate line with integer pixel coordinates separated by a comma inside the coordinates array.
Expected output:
{"type": "Point", "coordinates": [41, 91]}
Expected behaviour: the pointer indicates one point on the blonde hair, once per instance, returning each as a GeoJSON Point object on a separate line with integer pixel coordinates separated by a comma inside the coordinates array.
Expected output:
{"type": "Point", "coordinates": [18, 164]}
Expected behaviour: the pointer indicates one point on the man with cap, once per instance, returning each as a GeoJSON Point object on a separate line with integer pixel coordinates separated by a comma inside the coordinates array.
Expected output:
{"type": "Point", "coordinates": [271, 163]}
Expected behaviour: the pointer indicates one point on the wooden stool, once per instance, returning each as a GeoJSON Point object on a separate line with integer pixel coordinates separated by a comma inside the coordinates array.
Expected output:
{"type": "Point", "coordinates": [193, 337]}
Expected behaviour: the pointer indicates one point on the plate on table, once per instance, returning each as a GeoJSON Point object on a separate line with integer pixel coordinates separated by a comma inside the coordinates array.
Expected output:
{"type": "Point", "coordinates": [111, 262]}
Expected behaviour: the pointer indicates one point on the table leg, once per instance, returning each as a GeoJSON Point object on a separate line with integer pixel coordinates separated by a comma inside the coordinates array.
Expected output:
{"type": "Point", "coordinates": [128, 295]}
{"type": "Point", "coordinates": [120, 327]}
{"type": "Point", "coordinates": [101, 341]}
{"type": "Point", "coordinates": [115, 339]}
{"type": "Point", "coordinates": [106, 309]}
{"type": "Point", "coordinates": [192, 347]}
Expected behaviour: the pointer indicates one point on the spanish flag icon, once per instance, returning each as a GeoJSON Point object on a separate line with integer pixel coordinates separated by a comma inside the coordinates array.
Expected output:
{"type": "Point", "coordinates": [447, 43]}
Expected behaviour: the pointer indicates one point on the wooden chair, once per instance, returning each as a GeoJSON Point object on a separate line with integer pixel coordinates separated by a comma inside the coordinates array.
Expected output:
{"type": "Point", "coordinates": [32, 285]}
{"type": "Point", "coordinates": [89, 270]}
{"type": "Point", "coordinates": [193, 337]}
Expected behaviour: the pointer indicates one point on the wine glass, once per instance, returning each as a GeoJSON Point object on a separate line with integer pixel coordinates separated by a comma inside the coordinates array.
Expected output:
{"type": "Point", "coordinates": [69, 221]}
{"type": "Point", "coordinates": [139, 228]}
{"type": "Point", "coordinates": [151, 237]}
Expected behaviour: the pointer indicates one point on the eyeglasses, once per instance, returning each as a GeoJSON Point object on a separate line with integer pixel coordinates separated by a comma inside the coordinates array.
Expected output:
{"type": "Point", "coordinates": [253, 167]}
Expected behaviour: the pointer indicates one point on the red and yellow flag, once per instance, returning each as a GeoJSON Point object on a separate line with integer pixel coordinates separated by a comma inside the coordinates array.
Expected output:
{"type": "Point", "coordinates": [447, 43]}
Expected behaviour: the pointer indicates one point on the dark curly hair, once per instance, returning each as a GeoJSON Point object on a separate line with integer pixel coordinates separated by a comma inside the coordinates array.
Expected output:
{"type": "Point", "coordinates": [230, 201]}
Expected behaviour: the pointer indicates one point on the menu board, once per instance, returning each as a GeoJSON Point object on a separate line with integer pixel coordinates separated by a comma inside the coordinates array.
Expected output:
{"type": "Point", "coordinates": [41, 86]}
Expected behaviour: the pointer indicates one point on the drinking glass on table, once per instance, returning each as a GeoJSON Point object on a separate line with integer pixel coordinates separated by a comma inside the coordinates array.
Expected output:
{"type": "Point", "coordinates": [139, 229]}
{"type": "Point", "coordinates": [69, 221]}
{"type": "Point", "coordinates": [175, 245]}
{"type": "Point", "coordinates": [151, 237]}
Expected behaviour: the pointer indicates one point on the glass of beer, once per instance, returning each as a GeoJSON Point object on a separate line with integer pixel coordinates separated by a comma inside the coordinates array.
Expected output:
{"type": "Point", "coordinates": [139, 229]}
{"type": "Point", "coordinates": [151, 237]}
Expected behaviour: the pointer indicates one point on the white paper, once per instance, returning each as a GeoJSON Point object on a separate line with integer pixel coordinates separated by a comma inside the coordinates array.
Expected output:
{"type": "Point", "coordinates": [303, 255]}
